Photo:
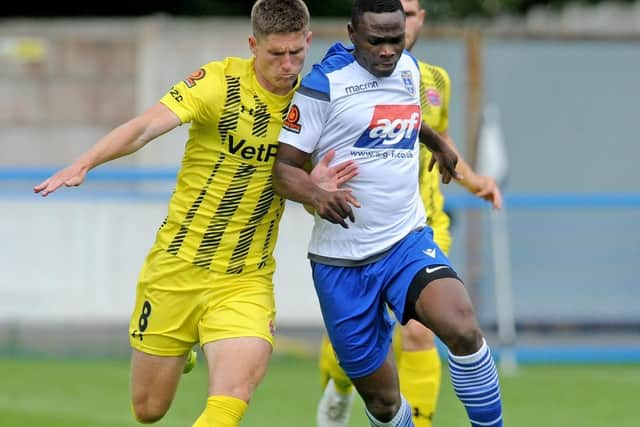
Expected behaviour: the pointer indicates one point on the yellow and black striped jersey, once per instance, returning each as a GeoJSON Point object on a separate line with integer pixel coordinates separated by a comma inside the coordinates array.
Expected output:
{"type": "Point", "coordinates": [224, 214]}
{"type": "Point", "coordinates": [436, 90]}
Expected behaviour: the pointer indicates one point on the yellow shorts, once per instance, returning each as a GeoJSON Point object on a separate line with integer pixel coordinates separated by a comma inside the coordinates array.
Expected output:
{"type": "Point", "coordinates": [179, 304]}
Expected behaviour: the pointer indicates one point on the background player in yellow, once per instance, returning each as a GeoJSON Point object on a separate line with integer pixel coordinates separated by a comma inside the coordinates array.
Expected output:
{"type": "Point", "coordinates": [208, 277]}
{"type": "Point", "coordinates": [419, 366]}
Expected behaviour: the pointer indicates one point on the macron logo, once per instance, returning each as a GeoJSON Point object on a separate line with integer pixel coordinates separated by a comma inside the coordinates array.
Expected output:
{"type": "Point", "coordinates": [392, 126]}
{"type": "Point", "coordinates": [357, 88]}
{"type": "Point", "coordinates": [430, 252]}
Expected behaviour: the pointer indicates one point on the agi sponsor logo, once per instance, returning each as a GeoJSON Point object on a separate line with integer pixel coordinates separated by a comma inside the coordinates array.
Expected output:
{"type": "Point", "coordinates": [392, 126]}
{"type": "Point", "coordinates": [382, 154]}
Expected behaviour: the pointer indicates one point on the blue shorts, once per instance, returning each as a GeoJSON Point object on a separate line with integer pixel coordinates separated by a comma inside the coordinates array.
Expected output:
{"type": "Point", "coordinates": [354, 300]}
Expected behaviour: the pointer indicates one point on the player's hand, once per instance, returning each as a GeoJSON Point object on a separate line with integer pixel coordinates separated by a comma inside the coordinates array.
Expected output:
{"type": "Point", "coordinates": [332, 178]}
{"type": "Point", "coordinates": [335, 203]}
{"type": "Point", "coordinates": [336, 206]}
{"type": "Point", "coordinates": [447, 160]}
{"type": "Point", "coordinates": [71, 176]}
{"type": "Point", "coordinates": [489, 191]}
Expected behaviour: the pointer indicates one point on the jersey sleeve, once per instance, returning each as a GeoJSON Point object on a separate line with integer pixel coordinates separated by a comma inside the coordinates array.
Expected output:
{"type": "Point", "coordinates": [433, 201]}
{"type": "Point", "coordinates": [308, 112]}
{"type": "Point", "coordinates": [430, 190]}
{"type": "Point", "coordinates": [445, 81]}
{"type": "Point", "coordinates": [193, 99]}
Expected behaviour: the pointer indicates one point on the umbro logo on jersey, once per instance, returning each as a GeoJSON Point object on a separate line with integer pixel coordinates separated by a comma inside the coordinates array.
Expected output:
{"type": "Point", "coordinates": [392, 126]}
{"type": "Point", "coordinates": [430, 252]}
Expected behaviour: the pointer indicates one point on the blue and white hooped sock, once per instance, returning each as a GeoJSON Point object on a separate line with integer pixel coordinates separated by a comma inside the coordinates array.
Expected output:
{"type": "Point", "coordinates": [475, 381]}
{"type": "Point", "coordinates": [402, 418]}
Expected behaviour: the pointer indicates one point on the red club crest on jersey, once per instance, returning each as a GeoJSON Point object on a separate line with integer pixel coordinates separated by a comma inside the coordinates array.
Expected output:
{"type": "Point", "coordinates": [293, 117]}
{"type": "Point", "coordinates": [433, 97]}
{"type": "Point", "coordinates": [392, 126]}
{"type": "Point", "coordinates": [194, 77]}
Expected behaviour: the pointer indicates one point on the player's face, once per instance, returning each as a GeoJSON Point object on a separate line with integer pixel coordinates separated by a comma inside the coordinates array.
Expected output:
{"type": "Point", "coordinates": [378, 41]}
{"type": "Point", "coordinates": [279, 59]}
{"type": "Point", "coordinates": [413, 23]}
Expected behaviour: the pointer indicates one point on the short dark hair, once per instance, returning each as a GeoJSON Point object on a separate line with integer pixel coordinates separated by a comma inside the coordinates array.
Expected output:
{"type": "Point", "coordinates": [279, 17]}
{"type": "Point", "coordinates": [375, 6]}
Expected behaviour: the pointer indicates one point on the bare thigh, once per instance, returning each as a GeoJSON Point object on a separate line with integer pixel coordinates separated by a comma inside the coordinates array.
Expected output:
{"type": "Point", "coordinates": [237, 365]}
{"type": "Point", "coordinates": [154, 380]}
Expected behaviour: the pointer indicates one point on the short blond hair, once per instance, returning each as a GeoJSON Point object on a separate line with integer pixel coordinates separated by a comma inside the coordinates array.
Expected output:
{"type": "Point", "coordinates": [279, 17]}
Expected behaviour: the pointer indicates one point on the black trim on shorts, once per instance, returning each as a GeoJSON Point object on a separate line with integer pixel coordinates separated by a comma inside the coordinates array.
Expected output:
{"type": "Point", "coordinates": [419, 282]}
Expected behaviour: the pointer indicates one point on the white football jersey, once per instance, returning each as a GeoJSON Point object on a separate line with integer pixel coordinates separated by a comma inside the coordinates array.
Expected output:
{"type": "Point", "coordinates": [376, 122]}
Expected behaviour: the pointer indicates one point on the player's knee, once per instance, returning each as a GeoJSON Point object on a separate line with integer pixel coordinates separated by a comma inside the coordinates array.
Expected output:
{"type": "Point", "coordinates": [148, 411]}
{"type": "Point", "coordinates": [464, 337]}
{"type": "Point", "coordinates": [461, 332]}
{"type": "Point", "coordinates": [242, 392]}
{"type": "Point", "coordinates": [382, 404]}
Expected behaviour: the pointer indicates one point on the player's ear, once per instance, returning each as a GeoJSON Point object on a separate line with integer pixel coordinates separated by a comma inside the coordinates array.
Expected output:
{"type": "Point", "coordinates": [351, 31]}
{"type": "Point", "coordinates": [253, 43]}
{"type": "Point", "coordinates": [308, 39]}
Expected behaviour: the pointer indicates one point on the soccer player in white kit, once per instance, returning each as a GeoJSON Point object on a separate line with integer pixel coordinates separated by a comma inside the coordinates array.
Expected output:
{"type": "Point", "coordinates": [363, 103]}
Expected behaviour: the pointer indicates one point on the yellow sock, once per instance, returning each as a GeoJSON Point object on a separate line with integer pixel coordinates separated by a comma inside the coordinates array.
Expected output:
{"type": "Point", "coordinates": [420, 373]}
{"type": "Point", "coordinates": [133, 411]}
{"type": "Point", "coordinates": [221, 411]}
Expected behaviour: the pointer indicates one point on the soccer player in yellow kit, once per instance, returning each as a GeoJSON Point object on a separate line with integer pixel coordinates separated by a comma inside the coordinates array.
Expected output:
{"type": "Point", "coordinates": [418, 362]}
{"type": "Point", "coordinates": [208, 277]}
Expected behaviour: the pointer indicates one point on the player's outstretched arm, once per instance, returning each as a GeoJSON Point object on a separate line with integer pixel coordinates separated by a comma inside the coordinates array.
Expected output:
{"type": "Point", "coordinates": [482, 186]}
{"type": "Point", "coordinates": [292, 181]}
{"type": "Point", "coordinates": [121, 141]}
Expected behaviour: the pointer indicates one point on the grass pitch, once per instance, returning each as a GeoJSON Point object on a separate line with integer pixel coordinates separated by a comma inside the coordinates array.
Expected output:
{"type": "Point", "coordinates": [80, 393]}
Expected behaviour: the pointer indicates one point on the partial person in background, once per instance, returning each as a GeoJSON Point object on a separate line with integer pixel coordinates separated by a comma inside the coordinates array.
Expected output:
{"type": "Point", "coordinates": [364, 103]}
{"type": "Point", "coordinates": [208, 277]}
{"type": "Point", "coordinates": [419, 366]}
